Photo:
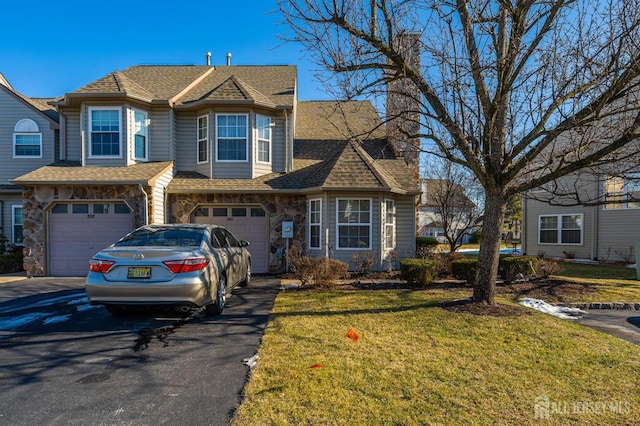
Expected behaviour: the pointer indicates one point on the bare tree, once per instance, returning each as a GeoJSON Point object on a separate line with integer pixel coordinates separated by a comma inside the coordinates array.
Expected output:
{"type": "Point", "coordinates": [450, 198]}
{"type": "Point", "coordinates": [520, 92]}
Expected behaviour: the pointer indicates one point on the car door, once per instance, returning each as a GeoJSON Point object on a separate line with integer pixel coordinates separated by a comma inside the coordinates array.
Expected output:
{"type": "Point", "coordinates": [220, 246]}
{"type": "Point", "coordinates": [237, 263]}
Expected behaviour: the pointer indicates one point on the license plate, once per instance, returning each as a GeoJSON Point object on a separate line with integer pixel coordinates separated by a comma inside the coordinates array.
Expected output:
{"type": "Point", "coordinates": [139, 272]}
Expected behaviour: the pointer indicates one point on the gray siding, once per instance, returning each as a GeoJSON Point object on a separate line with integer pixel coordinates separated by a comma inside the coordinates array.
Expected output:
{"type": "Point", "coordinates": [159, 208]}
{"type": "Point", "coordinates": [531, 246]}
{"type": "Point", "coordinates": [405, 227]}
{"type": "Point", "coordinates": [278, 148]}
{"type": "Point", "coordinates": [6, 203]}
{"type": "Point", "coordinates": [186, 141]}
{"type": "Point", "coordinates": [72, 136]}
{"type": "Point", "coordinates": [619, 230]}
{"type": "Point", "coordinates": [160, 132]}
{"type": "Point", "coordinates": [13, 110]}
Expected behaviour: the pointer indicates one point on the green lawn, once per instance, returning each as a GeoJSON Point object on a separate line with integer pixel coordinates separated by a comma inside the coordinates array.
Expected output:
{"type": "Point", "coordinates": [417, 363]}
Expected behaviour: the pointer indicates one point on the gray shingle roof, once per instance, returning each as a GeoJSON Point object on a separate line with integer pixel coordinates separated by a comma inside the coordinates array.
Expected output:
{"type": "Point", "coordinates": [189, 84]}
{"type": "Point", "coordinates": [75, 174]}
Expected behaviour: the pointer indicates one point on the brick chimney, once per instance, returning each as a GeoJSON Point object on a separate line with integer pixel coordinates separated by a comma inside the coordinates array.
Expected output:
{"type": "Point", "coordinates": [403, 106]}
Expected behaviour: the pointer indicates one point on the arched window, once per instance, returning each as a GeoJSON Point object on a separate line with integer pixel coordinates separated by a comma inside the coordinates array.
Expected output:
{"type": "Point", "coordinates": [27, 140]}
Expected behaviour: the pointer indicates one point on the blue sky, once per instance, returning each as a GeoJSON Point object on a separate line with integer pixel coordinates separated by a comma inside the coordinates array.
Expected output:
{"type": "Point", "coordinates": [52, 47]}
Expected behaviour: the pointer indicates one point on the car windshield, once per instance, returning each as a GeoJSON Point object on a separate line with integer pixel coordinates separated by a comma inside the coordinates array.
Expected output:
{"type": "Point", "coordinates": [166, 237]}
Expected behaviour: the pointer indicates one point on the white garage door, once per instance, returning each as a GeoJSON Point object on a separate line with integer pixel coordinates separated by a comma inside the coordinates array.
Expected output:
{"type": "Point", "coordinates": [248, 223]}
{"type": "Point", "coordinates": [77, 231]}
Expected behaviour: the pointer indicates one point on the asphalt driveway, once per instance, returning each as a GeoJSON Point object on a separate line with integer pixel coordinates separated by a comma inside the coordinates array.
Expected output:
{"type": "Point", "coordinates": [621, 323]}
{"type": "Point", "coordinates": [68, 362]}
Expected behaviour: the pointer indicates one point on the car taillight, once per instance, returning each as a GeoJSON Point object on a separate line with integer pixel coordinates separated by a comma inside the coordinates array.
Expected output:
{"type": "Point", "coordinates": [102, 266]}
{"type": "Point", "coordinates": [186, 265]}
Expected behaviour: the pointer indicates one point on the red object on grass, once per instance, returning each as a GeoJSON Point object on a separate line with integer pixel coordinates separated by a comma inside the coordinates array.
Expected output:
{"type": "Point", "coordinates": [352, 335]}
{"type": "Point", "coordinates": [317, 366]}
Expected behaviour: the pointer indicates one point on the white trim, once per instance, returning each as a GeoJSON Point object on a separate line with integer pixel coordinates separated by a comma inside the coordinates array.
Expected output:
{"type": "Point", "coordinates": [370, 243]}
{"type": "Point", "coordinates": [559, 229]}
{"type": "Point", "coordinates": [246, 138]}
{"type": "Point", "coordinates": [90, 130]}
{"type": "Point", "coordinates": [258, 139]}
{"type": "Point", "coordinates": [135, 111]}
{"type": "Point", "coordinates": [13, 150]}
{"type": "Point", "coordinates": [205, 139]}
{"type": "Point", "coordinates": [318, 224]}
{"type": "Point", "coordinates": [13, 223]}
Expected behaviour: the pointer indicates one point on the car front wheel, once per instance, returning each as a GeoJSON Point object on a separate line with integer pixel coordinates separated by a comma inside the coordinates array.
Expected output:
{"type": "Point", "coordinates": [221, 298]}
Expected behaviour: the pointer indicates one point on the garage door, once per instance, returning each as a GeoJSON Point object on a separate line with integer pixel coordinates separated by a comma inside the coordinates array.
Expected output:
{"type": "Point", "coordinates": [77, 231]}
{"type": "Point", "coordinates": [248, 223]}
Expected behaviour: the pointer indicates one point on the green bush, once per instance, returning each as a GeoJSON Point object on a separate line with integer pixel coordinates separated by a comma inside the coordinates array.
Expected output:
{"type": "Point", "coordinates": [475, 237]}
{"type": "Point", "coordinates": [465, 270]}
{"type": "Point", "coordinates": [511, 267]}
{"type": "Point", "coordinates": [425, 247]}
{"type": "Point", "coordinates": [418, 272]}
{"type": "Point", "coordinates": [11, 261]}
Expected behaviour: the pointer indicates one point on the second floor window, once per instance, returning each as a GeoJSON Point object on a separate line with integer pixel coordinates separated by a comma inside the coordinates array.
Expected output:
{"type": "Point", "coordinates": [140, 125]}
{"type": "Point", "coordinates": [622, 193]}
{"type": "Point", "coordinates": [203, 139]}
{"type": "Point", "coordinates": [231, 137]}
{"type": "Point", "coordinates": [27, 140]}
{"type": "Point", "coordinates": [105, 130]}
{"type": "Point", "coordinates": [263, 125]}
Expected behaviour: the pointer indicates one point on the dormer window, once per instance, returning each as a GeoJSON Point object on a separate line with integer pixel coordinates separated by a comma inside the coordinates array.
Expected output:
{"type": "Point", "coordinates": [263, 146]}
{"type": "Point", "coordinates": [232, 143]}
{"type": "Point", "coordinates": [27, 140]}
{"type": "Point", "coordinates": [105, 132]}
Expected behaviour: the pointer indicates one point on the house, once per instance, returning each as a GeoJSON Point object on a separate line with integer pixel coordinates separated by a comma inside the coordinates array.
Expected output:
{"type": "Point", "coordinates": [444, 206]}
{"type": "Point", "coordinates": [29, 133]}
{"type": "Point", "coordinates": [605, 231]}
{"type": "Point", "coordinates": [228, 145]}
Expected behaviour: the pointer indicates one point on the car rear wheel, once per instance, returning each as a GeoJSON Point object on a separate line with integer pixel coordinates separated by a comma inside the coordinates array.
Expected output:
{"type": "Point", "coordinates": [247, 277]}
{"type": "Point", "coordinates": [221, 297]}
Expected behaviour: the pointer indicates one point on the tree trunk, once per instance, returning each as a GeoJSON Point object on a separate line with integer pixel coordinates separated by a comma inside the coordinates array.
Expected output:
{"type": "Point", "coordinates": [494, 211]}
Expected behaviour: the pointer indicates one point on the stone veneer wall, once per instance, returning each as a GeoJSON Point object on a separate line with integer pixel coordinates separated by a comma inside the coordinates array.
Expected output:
{"type": "Point", "coordinates": [280, 208]}
{"type": "Point", "coordinates": [37, 199]}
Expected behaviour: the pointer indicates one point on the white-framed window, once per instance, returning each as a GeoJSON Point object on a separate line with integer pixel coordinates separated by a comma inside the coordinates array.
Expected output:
{"type": "Point", "coordinates": [315, 223]}
{"type": "Point", "coordinates": [203, 138]}
{"type": "Point", "coordinates": [263, 140]}
{"type": "Point", "coordinates": [140, 135]}
{"type": "Point", "coordinates": [389, 223]}
{"type": "Point", "coordinates": [353, 223]}
{"type": "Point", "coordinates": [622, 193]}
{"type": "Point", "coordinates": [27, 139]}
{"type": "Point", "coordinates": [16, 225]}
{"type": "Point", "coordinates": [560, 229]}
{"type": "Point", "coordinates": [105, 132]}
{"type": "Point", "coordinates": [232, 143]}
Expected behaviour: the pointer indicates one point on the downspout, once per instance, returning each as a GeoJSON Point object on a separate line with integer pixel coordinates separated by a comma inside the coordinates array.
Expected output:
{"type": "Point", "coordinates": [523, 225]}
{"type": "Point", "coordinates": [596, 225]}
{"type": "Point", "coordinates": [146, 204]}
{"type": "Point", "coordinates": [62, 135]}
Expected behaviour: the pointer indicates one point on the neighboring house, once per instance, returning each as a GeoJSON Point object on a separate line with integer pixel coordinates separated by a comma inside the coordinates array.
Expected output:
{"type": "Point", "coordinates": [445, 205]}
{"type": "Point", "coordinates": [604, 232]}
{"type": "Point", "coordinates": [28, 140]}
{"type": "Point", "coordinates": [229, 145]}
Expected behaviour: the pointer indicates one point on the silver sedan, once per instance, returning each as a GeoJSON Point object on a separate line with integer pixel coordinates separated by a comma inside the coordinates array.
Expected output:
{"type": "Point", "coordinates": [180, 266]}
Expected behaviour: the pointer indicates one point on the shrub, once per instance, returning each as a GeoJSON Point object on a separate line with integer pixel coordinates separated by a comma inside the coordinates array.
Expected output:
{"type": "Point", "coordinates": [549, 267]}
{"type": "Point", "coordinates": [445, 260]}
{"type": "Point", "coordinates": [425, 247]}
{"type": "Point", "coordinates": [513, 267]}
{"type": "Point", "coordinates": [363, 261]}
{"type": "Point", "coordinates": [465, 270]}
{"type": "Point", "coordinates": [475, 237]}
{"type": "Point", "coordinates": [315, 270]}
{"type": "Point", "coordinates": [11, 261]}
{"type": "Point", "coordinates": [418, 272]}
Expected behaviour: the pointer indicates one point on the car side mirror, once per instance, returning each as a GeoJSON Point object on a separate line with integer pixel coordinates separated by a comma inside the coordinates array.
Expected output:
{"type": "Point", "coordinates": [244, 243]}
